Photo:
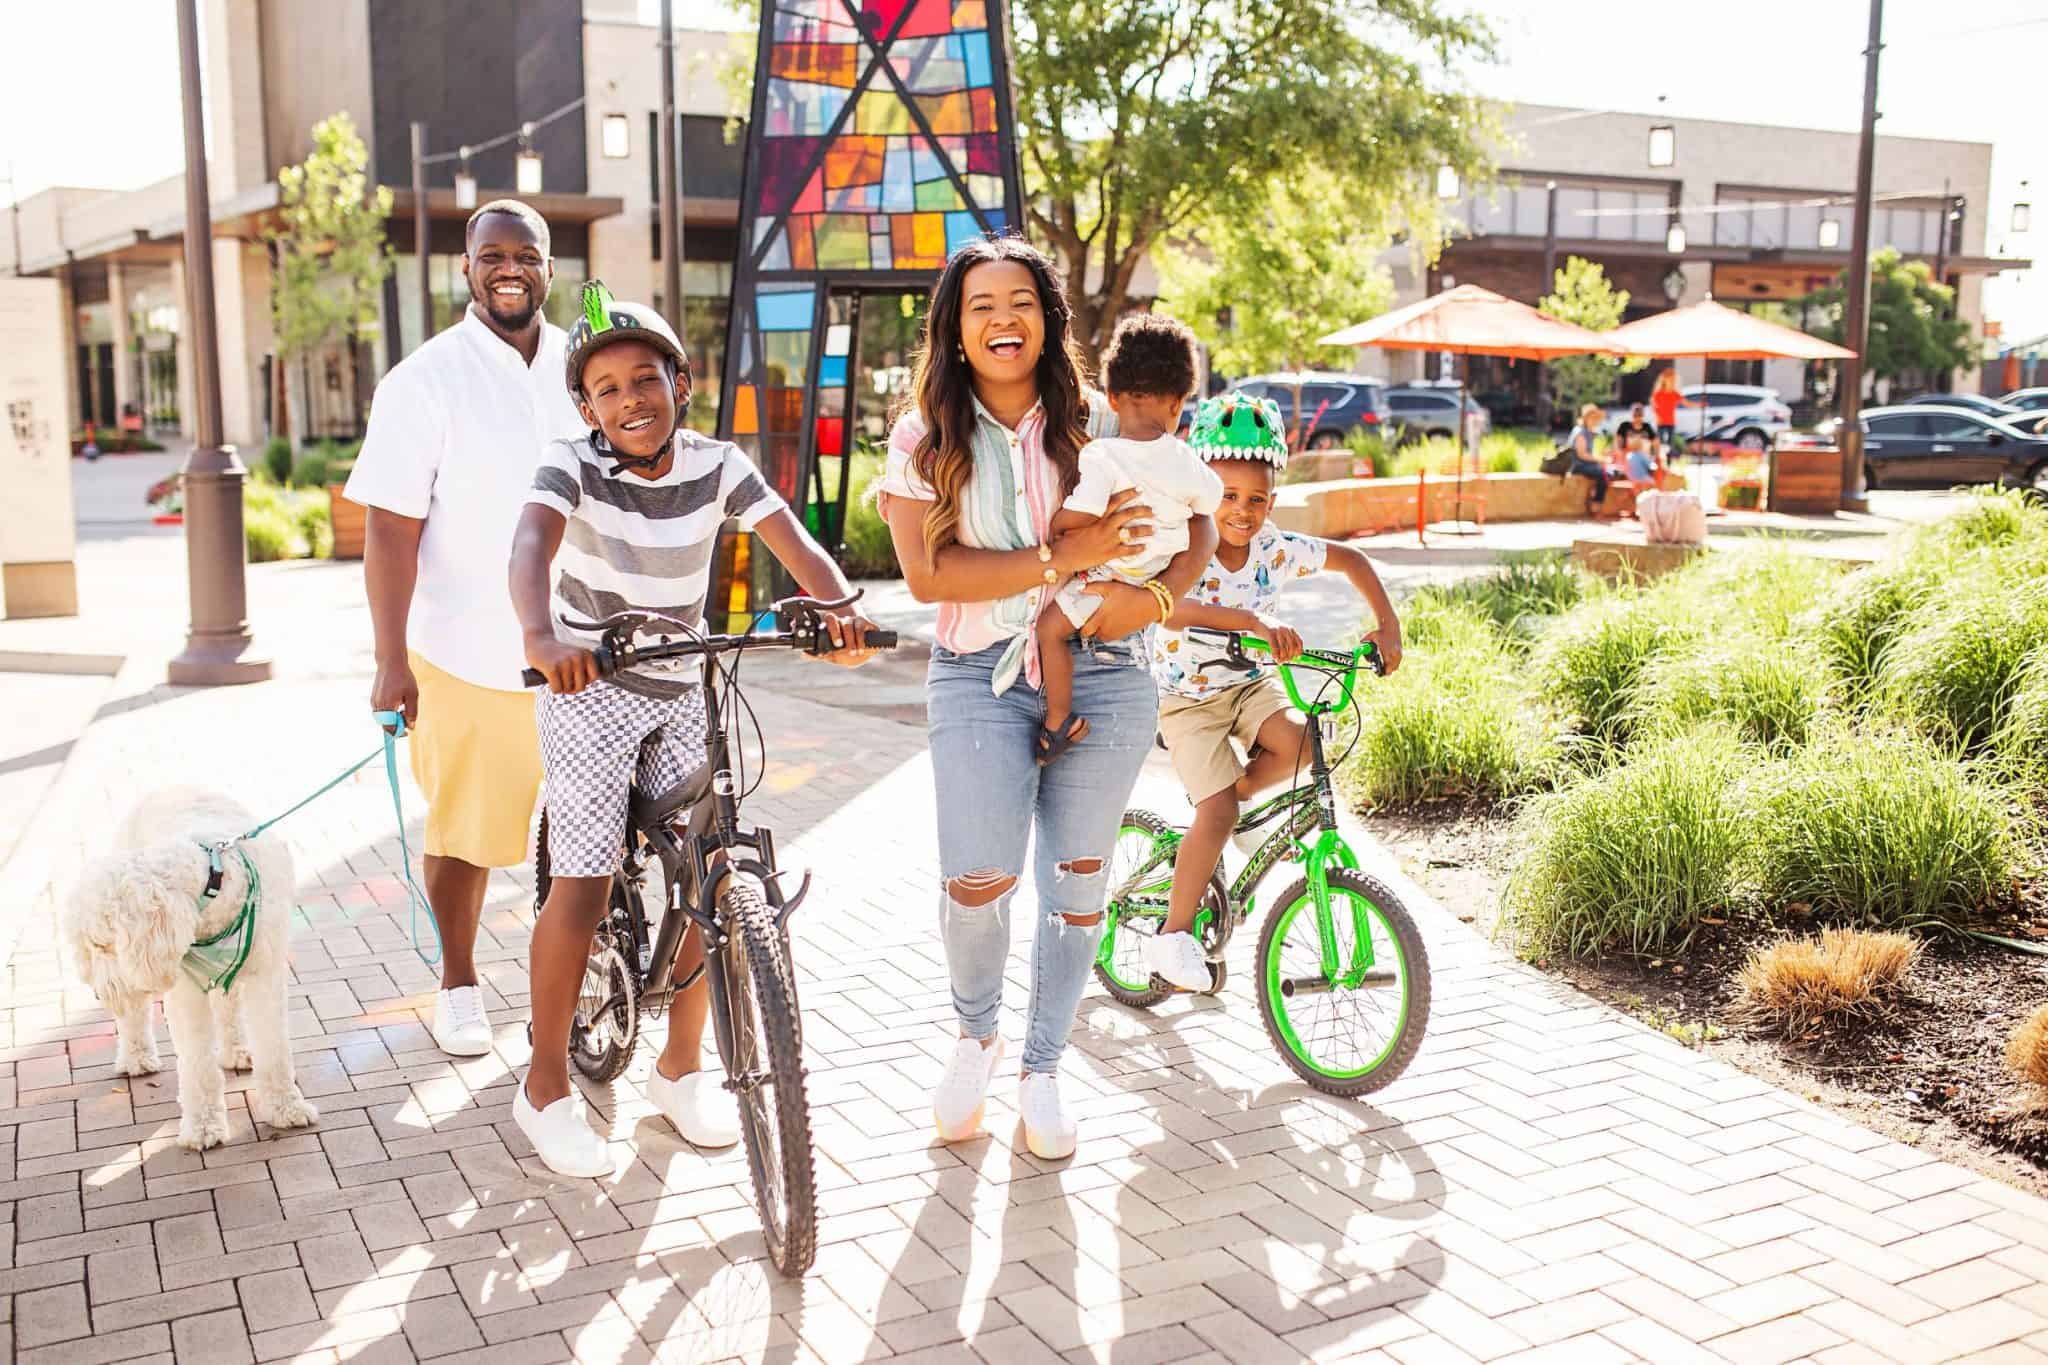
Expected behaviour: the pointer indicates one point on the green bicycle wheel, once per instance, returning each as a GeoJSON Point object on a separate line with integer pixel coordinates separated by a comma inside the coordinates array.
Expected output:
{"type": "Point", "coordinates": [1344, 1041]}
{"type": "Point", "coordinates": [1120, 960]}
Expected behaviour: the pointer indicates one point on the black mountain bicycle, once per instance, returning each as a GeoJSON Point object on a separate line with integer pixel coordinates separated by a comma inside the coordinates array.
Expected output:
{"type": "Point", "coordinates": [689, 862]}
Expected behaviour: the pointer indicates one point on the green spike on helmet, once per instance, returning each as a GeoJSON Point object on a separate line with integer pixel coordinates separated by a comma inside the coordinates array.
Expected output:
{"type": "Point", "coordinates": [1238, 427]}
{"type": "Point", "coordinates": [597, 306]}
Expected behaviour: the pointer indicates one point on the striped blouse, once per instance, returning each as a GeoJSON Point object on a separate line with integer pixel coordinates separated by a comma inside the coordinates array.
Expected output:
{"type": "Point", "coordinates": [1009, 505]}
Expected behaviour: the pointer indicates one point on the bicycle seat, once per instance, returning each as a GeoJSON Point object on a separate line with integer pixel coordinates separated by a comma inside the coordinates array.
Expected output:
{"type": "Point", "coordinates": [648, 812]}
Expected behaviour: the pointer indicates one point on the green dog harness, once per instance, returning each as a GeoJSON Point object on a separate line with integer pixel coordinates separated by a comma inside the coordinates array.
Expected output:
{"type": "Point", "coordinates": [212, 963]}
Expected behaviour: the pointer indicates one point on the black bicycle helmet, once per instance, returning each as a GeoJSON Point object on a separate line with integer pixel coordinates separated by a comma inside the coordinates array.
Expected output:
{"type": "Point", "coordinates": [604, 320]}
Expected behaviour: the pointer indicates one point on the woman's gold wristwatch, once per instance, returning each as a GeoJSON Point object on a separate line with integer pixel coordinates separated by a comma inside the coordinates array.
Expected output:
{"type": "Point", "coordinates": [1052, 575]}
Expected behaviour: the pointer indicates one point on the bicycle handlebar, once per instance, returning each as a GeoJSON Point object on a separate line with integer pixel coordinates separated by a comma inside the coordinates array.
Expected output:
{"type": "Point", "coordinates": [1342, 667]}
{"type": "Point", "coordinates": [616, 651]}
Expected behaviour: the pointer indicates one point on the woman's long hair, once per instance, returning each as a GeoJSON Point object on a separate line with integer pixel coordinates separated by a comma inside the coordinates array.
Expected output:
{"type": "Point", "coordinates": [1667, 378]}
{"type": "Point", "coordinates": [944, 384]}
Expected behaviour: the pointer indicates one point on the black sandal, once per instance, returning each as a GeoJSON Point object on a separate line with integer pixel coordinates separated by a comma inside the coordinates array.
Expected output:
{"type": "Point", "coordinates": [1051, 744]}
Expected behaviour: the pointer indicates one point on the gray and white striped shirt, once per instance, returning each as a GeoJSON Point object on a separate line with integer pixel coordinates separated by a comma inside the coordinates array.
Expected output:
{"type": "Point", "coordinates": [645, 544]}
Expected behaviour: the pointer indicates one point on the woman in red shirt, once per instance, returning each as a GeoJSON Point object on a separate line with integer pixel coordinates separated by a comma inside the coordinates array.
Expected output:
{"type": "Point", "coordinates": [1665, 400]}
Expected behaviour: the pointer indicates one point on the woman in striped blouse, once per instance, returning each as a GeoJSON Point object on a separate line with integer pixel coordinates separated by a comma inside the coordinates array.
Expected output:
{"type": "Point", "coordinates": [976, 470]}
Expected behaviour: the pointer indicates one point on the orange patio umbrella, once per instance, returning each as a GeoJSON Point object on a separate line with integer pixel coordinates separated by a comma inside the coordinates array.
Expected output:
{"type": "Point", "coordinates": [1709, 329]}
{"type": "Point", "coordinates": [1467, 321]}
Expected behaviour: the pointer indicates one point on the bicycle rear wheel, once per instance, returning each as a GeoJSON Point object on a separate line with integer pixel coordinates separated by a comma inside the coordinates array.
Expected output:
{"type": "Point", "coordinates": [1120, 960]}
{"type": "Point", "coordinates": [767, 1074]}
{"type": "Point", "coordinates": [1344, 1041]}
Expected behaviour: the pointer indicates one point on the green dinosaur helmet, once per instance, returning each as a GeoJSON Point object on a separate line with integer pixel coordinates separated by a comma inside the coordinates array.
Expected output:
{"type": "Point", "coordinates": [604, 319]}
{"type": "Point", "coordinates": [1235, 427]}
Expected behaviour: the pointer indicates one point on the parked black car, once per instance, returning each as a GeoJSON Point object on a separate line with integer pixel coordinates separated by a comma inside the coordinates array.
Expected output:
{"type": "Point", "coordinates": [1975, 402]}
{"type": "Point", "coordinates": [1333, 405]}
{"type": "Point", "coordinates": [1917, 445]}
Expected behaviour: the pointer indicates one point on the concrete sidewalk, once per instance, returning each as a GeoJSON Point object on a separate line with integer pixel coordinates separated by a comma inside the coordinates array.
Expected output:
{"type": "Point", "coordinates": [1550, 1181]}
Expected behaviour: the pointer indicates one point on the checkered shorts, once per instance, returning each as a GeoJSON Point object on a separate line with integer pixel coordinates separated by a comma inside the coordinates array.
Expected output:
{"type": "Point", "coordinates": [594, 745]}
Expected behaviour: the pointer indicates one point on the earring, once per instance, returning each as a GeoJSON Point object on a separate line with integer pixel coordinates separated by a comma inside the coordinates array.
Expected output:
{"type": "Point", "coordinates": [960, 354]}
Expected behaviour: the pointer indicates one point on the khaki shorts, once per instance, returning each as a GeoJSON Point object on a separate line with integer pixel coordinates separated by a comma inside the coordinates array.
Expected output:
{"type": "Point", "coordinates": [1198, 733]}
{"type": "Point", "coordinates": [476, 755]}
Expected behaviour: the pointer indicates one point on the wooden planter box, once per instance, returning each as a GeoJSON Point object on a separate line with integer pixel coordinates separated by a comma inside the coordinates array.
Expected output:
{"type": "Point", "coordinates": [1806, 480]}
{"type": "Point", "coordinates": [348, 521]}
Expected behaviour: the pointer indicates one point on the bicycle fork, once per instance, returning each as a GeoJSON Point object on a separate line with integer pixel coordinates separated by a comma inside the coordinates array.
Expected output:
{"type": "Point", "coordinates": [1329, 847]}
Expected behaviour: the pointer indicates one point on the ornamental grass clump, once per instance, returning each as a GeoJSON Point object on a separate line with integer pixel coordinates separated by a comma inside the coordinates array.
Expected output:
{"type": "Point", "coordinates": [1953, 672]}
{"type": "Point", "coordinates": [1590, 661]}
{"type": "Point", "coordinates": [2018, 751]}
{"type": "Point", "coordinates": [1774, 694]}
{"type": "Point", "coordinates": [1632, 858]}
{"type": "Point", "coordinates": [2026, 1051]}
{"type": "Point", "coordinates": [1854, 624]}
{"type": "Point", "coordinates": [1987, 519]}
{"type": "Point", "coordinates": [1793, 986]}
{"type": "Point", "coordinates": [1760, 590]}
{"type": "Point", "coordinates": [1452, 723]}
{"type": "Point", "coordinates": [1882, 829]}
{"type": "Point", "coordinates": [1518, 596]}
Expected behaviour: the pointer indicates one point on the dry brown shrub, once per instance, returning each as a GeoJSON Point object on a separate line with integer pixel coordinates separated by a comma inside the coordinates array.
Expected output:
{"type": "Point", "coordinates": [1796, 984]}
{"type": "Point", "coordinates": [2026, 1052]}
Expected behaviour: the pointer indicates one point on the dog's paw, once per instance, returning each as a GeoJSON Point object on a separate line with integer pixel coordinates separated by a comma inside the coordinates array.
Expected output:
{"type": "Point", "coordinates": [293, 1111]}
{"type": "Point", "coordinates": [236, 1058]}
{"type": "Point", "coordinates": [138, 1063]}
{"type": "Point", "coordinates": [196, 1133]}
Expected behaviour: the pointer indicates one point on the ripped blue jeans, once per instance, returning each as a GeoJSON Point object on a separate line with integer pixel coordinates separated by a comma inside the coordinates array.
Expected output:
{"type": "Point", "coordinates": [991, 796]}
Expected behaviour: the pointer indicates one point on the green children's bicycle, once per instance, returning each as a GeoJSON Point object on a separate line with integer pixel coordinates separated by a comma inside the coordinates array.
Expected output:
{"type": "Point", "coordinates": [1343, 980]}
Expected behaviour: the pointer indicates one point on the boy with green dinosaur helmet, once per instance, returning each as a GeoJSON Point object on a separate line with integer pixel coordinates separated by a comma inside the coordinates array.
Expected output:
{"type": "Point", "coordinates": [1201, 713]}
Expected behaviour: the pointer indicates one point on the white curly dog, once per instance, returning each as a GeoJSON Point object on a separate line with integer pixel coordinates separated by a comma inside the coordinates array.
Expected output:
{"type": "Point", "coordinates": [128, 924]}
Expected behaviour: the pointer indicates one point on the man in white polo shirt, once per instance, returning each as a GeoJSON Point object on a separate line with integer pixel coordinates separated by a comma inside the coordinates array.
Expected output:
{"type": "Point", "coordinates": [456, 432]}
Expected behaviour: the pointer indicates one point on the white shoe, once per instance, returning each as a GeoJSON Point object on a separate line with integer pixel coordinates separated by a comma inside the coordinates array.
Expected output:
{"type": "Point", "coordinates": [461, 1028]}
{"type": "Point", "coordinates": [699, 1105]}
{"type": "Point", "coordinates": [562, 1136]}
{"type": "Point", "coordinates": [1177, 959]}
{"type": "Point", "coordinates": [1048, 1128]}
{"type": "Point", "coordinates": [957, 1103]}
{"type": "Point", "coordinates": [1249, 841]}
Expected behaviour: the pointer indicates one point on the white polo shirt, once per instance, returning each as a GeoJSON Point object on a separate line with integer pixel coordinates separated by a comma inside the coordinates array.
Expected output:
{"type": "Point", "coordinates": [456, 433]}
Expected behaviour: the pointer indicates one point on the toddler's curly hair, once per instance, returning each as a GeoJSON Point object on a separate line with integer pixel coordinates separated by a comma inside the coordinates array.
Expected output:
{"type": "Point", "coordinates": [1150, 354]}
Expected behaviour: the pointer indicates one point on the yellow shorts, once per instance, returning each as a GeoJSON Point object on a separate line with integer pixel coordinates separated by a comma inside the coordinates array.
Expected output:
{"type": "Point", "coordinates": [476, 755]}
{"type": "Point", "coordinates": [1198, 733]}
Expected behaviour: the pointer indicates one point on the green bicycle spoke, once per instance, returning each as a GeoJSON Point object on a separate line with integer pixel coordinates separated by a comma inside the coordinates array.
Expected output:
{"type": "Point", "coordinates": [1340, 1032]}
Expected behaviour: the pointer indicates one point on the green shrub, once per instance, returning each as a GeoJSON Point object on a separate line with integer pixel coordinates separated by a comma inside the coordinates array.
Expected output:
{"type": "Point", "coordinates": [310, 469]}
{"type": "Point", "coordinates": [869, 552]}
{"type": "Point", "coordinates": [1452, 722]}
{"type": "Point", "coordinates": [1987, 519]}
{"type": "Point", "coordinates": [277, 459]}
{"type": "Point", "coordinates": [1882, 829]}
{"type": "Point", "coordinates": [1956, 665]}
{"type": "Point", "coordinates": [1771, 694]}
{"type": "Point", "coordinates": [1502, 453]}
{"type": "Point", "coordinates": [1370, 445]}
{"type": "Point", "coordinates": [269, 534]}
{"type": "Point", "coordinates": [1590, 663]}
{"type": "Point", "coordinates": [1514, 595]}
{"type": "Point", "coordinates": [284, 523]}
{"type": "Point", "coordinates": [312, 519]}
{"type": "Point", "coordinates": [1763, 588]}
{"type": "Point", "coordinates": [1633, 857]}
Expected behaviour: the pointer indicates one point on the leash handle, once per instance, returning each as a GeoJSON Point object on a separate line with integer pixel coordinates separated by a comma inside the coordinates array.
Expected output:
{"type": "Point", "coordinates": [392, 723]}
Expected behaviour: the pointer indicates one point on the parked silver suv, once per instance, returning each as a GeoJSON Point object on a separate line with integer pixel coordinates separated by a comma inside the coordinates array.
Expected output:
{"type": "Point", "coordinates": [1746, 414]}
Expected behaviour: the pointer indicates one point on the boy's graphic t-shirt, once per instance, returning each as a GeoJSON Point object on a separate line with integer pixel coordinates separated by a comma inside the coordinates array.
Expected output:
{"type": "Point", "coordinates": [645, 544]}
{"type": "Point", "coordinates": [1276, 558]}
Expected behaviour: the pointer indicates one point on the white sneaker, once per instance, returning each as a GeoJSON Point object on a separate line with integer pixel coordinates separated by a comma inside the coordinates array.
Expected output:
{"type": "Point", "coordinates": [957, 1103]}
{"type": "Point", "coordinates": [461, 1028]}
{"type": "Point", "coordinates": [699, 1105]}
{"type": "Point", "coordinates": [562, 1136]}
{"type": "Point", "coordinates": [1048, 1128]}
{"type": "Point", "coordinates": [1249, 841]}
{"type": "Point", "coordinates": [1177, 959]}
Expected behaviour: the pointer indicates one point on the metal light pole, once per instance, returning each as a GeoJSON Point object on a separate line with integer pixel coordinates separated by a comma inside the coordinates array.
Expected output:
{"type": "Point", "coordinates": [419, 228]}
{"type": "Point", "coordinates": [1549, 283]}
{"type": "Point", "coordinates": [219, 648]}
{"type": "Point", "coordinates": [671, 207]}
{"type": "Point", "coordinates": [1856, 310]}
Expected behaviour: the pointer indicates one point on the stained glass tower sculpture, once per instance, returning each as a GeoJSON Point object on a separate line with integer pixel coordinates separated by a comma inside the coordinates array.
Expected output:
{"type": "Point", "coordinates": [882, 137]}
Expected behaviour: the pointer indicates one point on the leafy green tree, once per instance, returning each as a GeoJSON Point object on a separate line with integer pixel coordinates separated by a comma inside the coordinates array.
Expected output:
{"type": "Point", "coordinates": [1140, 120]}
{"type": "Point", "coordinates": [1912, 326]}
{"type": "Point", "coordinates": [328, 247]}
{"type": "Point", "coordinates": [1582, 294]}
{"type": "Point", "coordinates": [1270, 278]}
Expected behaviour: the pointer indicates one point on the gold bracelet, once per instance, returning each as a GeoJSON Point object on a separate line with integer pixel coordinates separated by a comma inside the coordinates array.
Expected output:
{"type": "Point", "coordinates": [1161, 595]}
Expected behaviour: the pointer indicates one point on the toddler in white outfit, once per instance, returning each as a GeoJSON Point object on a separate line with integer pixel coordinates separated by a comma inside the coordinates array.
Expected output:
{"type": "Point", "coordinates": [1149, 373]}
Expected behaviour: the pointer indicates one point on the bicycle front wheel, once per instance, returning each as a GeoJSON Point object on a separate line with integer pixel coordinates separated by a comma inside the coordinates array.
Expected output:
{"type": "Point", "coordinates": [1344, 1040]}
{"type": "Point", "coordinates": [767, 1074]}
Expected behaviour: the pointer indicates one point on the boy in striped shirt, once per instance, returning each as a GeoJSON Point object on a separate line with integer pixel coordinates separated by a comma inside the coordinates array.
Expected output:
{"type": "Point", "coordinates": [627, 517]}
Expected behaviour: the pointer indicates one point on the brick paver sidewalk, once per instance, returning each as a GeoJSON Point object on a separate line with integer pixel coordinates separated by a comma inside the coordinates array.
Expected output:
{"type": "Point", "coordinates": [1550, 1181]}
